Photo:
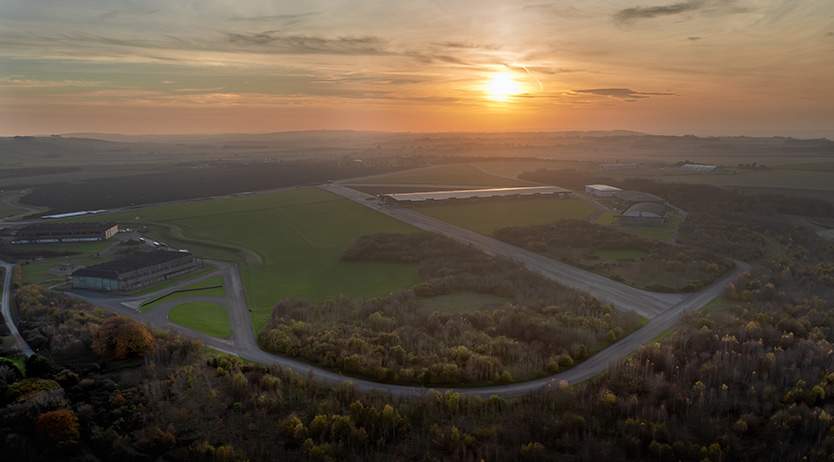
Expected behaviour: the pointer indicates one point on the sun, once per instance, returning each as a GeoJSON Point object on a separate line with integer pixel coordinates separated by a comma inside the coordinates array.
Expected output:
{"type": "Point", "coordinates": [502, 86]}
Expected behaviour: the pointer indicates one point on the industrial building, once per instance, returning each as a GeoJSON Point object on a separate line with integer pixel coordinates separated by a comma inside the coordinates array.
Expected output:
{"type": "Point", "coordinates": [601, 190]}
{"type": "Point", "coordinates": [66, 232]}
{"type": "Point", "coordinates": [645, 213]}
{"type": "Point", "coordinates": [702, 168]}
{"type": "Point", "coordinates": [625, 199]}
{"type": "Point", "coordinates": [135, 271]}
{"type": "Point", "coordinates": [474, 194]}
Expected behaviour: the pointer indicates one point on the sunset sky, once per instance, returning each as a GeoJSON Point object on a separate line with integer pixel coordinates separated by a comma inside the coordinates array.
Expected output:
{"type": "Point", "coordinates": [660, 66]}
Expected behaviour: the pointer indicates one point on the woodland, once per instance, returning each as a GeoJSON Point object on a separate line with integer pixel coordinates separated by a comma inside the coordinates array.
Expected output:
{"type": "Point", "coordinates": [749, 378]}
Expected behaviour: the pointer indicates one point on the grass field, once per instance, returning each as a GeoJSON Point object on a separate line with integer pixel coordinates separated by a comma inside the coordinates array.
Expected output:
{"type": "Point", "coordinates": [773, 179]}
{"type": "Point", "coordinates": [293, 240]}
{"type": "Point", "coordinates": [206, 317]}
{"type": "Point", "coordinates": [461, 302]}
{"type": "Point", "coordinates": [607, 218]}
{"type": "Point", "coordinates": [452, 174]}
{"type": "Point", "coordinates": [636, 255]}
{"type": "Point", "coordinates": [485, 217]}
{"type": "Point", "coordinates": [38, 273]}
{"type": "Point", "coordinates": [191, 291]}
{"type": "Point", "coordinates": [516, 167]}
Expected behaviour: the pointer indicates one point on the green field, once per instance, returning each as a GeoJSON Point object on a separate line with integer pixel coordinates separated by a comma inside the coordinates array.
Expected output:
{"type": "Point", "coordinates": [607, 218]}
{"type": "Point", "coordinates": [461, 302]}
{"type": "Point", "coordinates": [485, 217]}
{"type": "Point", "coordinates": [191, 291]}
{"type": "Point", "coordinates": [636, 255]}
{"type": "Point", "coordinates": [772, 179]}
{"type": "Point", "coordinates": [450, 174]}
{"type": "Point", "coordinates": [206, 317]}
{"type": "Point", "coordinates": [288, 244]}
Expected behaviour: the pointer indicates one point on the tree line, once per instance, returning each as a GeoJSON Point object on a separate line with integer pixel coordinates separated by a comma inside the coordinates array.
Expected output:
{"type": "Point", "coordinates": [535, 327]}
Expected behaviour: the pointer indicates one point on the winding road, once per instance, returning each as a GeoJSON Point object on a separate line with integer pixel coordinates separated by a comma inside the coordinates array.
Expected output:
{"type": "Point", "coordinates": [663, 311]}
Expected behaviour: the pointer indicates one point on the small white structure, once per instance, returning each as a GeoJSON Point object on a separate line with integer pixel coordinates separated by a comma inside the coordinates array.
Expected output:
{"type": "Point", "coordinates": [601, 190]}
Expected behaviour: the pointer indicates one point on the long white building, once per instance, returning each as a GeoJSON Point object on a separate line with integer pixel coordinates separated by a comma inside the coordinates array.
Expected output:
{"type": "Point", "coordinates": [474, 194]}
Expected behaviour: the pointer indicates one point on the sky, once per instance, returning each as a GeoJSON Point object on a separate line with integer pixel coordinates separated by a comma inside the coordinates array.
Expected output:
{"type": "Point", "coordinates": [762, 67]}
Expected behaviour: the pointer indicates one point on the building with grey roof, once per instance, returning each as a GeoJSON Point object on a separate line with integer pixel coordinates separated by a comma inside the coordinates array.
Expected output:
{"type": "Point", "coordinates": [601, 190]}
{"type": "Point", "coordinates": [644, 213]}
{"type": "Point", "coordinates": [66, 232]}
{"type": "Point", "coordinates": [625, 199]}
{"type": "Point", "coordinates": [473, 195]}
{"type": "Point", "coordinates": [134, 271]}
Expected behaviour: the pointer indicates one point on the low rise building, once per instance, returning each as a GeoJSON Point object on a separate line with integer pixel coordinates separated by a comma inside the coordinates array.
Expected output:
{"type": "Point", "coordinates": [135, 271]}
{"type": "Point", "coordinates": [66, 232]}
{"type": "Point", "coordinates": [474, 194]}
{"type": "Point", "coordinates": [601, 190]}
{"type": "Point", "coordinates": [625, 199]}
{"type": "Point", "coordinates": [645, 213]}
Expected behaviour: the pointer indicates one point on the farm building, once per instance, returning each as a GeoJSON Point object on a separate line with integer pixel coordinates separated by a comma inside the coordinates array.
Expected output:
{"type": "Point", "coordinates": [601, 190]}
{"type": "Point", "coordinates": [645, 213]}
{"type": "Point", "coordinates": [66, 232]}
{"type": "Point", "coordinates": [135, 271]}
{"type": "Point", "coordinates": [618, 167]}
{"type": "Point", "coordinates": [702, 168]}
{"type": "Point", "coordinates": [625, 199]}
{"type": "Point", "coordinates": [474, 194]}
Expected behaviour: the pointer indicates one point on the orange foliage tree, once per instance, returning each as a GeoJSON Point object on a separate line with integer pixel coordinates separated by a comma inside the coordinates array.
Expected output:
{"type": "Point", "coordinates": [119, 337]}
{"type": "Point", "coordinates": [57, 426]}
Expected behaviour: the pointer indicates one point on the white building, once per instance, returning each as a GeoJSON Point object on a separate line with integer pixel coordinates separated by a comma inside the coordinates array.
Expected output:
{"type": "Point", "coordinates": [601, 190]}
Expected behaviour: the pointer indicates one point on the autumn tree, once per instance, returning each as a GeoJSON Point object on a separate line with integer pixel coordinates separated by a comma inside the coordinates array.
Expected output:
{"type": "Point", "coordinates": [58, 426]}
{"type": "Point", "coordinates": [119, 337]}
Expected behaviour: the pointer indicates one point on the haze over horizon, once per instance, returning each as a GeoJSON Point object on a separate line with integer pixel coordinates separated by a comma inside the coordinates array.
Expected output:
{"type": "Point", "coordinates": [751, 67]}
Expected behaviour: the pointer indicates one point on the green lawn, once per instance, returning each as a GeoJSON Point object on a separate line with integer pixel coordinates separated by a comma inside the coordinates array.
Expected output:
{"type": "Point", "coordinates": [607, 218]}
{"type": "Point", "coordinates": [206, 317]}
{"type": "Point", "coordinates": [636, 255]}
{"type": "Point", "coordinates": [288, 244]}
{"type": "Point", "coordinates": [38, 273]}
{"type": "Point", "coordinates": [460, 302]}
{"type": "Point", "coordinates": [192, 291]}
{"type": "Point", "coordinates": [456, 174]}
{"type": "Point", "coordinates": [665, 236]}
{"type": "Point", "coordinates": [486, 217]}
{"type": "Point", "coordinates": [169, 283]}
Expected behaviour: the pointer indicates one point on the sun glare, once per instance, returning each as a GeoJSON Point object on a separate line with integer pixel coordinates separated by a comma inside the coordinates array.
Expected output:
{"type": "Point", "coordinates": [502, 87]}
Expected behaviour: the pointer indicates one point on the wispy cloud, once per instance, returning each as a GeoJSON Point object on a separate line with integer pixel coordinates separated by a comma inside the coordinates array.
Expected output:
{"type": "Point", "coordinates": [628, 15]}
{"type": "Point", "coordinates": [468, 45]}
{"type": "Point", "coordinates": [21, 82]}
{"type": "Point", "coordinates": [622, 93]}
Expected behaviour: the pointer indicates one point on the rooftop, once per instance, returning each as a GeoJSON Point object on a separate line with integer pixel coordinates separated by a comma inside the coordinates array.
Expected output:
{"type": "Point", "coordinates": [112, 269]}
{"type": "Point", "coordinates": [645, 209]}
{"type": "Point", "coordinates": [602, 187]}
{"type": "Point", "coordinates": [476, 193]}
{"type": "Point", "coordinates": [87, 226]}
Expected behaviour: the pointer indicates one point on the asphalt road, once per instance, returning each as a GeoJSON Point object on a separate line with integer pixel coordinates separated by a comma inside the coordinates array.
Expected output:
{"type": "Point", "coordinates": [5, 307]}
{"type": "Point", "coordinates": [662, 310]}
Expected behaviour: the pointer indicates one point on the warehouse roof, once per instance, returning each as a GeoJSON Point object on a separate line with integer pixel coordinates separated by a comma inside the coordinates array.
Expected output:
{"type": "Point", "coordinates": [638, 196]}
{"type": "Point", "coordinates": [112, 269]}
{"type": "Point", "coordinates": [602, 187]}
{"type": "Point", "coordinates": [479, 193]}
{"type": "Point", "coordinates": [74, 227]}
{"type": "Point", "coordinates": [645, 209]}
